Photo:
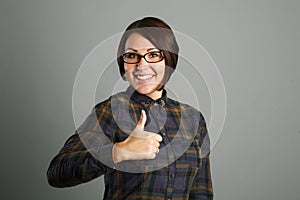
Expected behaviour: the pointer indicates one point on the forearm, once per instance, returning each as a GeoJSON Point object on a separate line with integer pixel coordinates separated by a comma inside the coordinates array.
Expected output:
{"type": "Point", "coordinates": [74, 165]}
{"type": "Point", "coordinates": [202, 185]}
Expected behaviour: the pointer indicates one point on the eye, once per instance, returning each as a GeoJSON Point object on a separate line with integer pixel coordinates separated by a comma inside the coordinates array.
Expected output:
{"type": "Point", "coordinates": [130, 55]}
{"type": "Point", "coordinates": [154, 54]}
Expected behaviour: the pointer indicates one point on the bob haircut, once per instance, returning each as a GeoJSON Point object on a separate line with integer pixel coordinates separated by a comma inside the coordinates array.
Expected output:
{"type": "Point", "coordinates": [160, 35]}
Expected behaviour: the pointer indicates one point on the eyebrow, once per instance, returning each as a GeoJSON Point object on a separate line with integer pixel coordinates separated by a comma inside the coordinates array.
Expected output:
{"type": "Point", "coordinates": [136, 50]}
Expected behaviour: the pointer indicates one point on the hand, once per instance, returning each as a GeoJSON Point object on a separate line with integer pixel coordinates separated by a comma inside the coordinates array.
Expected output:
{"type": "Point", "coordinates": [139, 145]}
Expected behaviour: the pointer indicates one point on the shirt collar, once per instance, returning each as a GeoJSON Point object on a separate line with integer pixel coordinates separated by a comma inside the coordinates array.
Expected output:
{"type": "Point", "coordinates": [144, 99]}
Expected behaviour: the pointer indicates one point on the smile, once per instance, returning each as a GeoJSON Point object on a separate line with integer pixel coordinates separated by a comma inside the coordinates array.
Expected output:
{"type": "Point", "coordinates": [144, 77]}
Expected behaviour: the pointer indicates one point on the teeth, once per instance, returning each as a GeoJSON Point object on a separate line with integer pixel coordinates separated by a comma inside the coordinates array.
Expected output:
{"type": "Point", "coordinates": [144, 77]}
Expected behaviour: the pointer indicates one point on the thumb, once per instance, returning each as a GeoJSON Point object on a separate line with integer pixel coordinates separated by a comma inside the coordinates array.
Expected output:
{"type": "Point", "coordinates": [141, 123]}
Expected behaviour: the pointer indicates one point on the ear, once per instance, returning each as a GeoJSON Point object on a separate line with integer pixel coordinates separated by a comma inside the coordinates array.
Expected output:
{"type": "Point", "coordinates": [124, 77]}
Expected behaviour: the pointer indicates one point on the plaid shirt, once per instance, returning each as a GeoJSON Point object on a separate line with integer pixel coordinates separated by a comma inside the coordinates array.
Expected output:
{"type": "Point", "coordinates": [181, 169]}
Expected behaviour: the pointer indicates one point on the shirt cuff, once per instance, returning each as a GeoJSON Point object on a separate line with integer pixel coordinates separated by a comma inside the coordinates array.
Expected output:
{"type": "Point", "coordinates": [104, 155]}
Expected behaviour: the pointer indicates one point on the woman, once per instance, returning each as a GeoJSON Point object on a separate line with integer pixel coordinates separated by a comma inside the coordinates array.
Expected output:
{"type": "Point", "coordinates": [146, 145]}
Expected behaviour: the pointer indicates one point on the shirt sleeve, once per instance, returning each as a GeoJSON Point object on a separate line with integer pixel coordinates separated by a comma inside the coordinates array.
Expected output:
{"type": "Point", "coordinates": [202, 185]}
{"type": "Point", "coordinates": [86, 155]}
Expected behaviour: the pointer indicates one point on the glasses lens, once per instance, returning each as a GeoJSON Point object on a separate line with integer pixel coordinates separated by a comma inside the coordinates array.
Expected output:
{"type": "Point", "coordinates": [153, 57]}
{"type": "Point", "coordinates": [131, 58]}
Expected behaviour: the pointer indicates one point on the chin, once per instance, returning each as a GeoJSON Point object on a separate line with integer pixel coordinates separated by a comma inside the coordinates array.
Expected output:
{"type": "Point", "coordinates": [148, 89]}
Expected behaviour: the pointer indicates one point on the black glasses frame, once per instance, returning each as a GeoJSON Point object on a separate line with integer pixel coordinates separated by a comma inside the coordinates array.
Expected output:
{"type": "Point", "coordinates": [139, 57]}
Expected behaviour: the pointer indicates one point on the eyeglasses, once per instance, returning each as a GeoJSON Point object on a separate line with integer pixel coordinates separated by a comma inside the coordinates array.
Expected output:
{"type": "Point", "coordinates": [151, 57]}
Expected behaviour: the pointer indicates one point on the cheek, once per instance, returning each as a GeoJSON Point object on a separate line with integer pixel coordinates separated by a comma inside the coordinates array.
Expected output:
{"type": "Point", "coordinates": [161, 70]}
{"type": "Point", "coordinates": [128, 67]}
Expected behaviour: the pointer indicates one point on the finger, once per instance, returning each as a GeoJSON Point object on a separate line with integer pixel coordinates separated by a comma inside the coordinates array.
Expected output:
{"type": "Point", "coordinates": [151, 156]}
{"type": "Point", "coordinates": [157, 137]}
{"type": "Point", "coordinates": [154, 149]}
{"type": "Point", "coordinates": [148, 134]}
{"type": "Point", "coordinates": [156, 144]}
{"type": "Point", "coordinates": [141, 123]}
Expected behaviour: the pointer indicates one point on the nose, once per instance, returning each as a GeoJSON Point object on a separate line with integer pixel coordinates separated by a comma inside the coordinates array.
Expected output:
{"type": "Point", "coordinates": [142, 63]}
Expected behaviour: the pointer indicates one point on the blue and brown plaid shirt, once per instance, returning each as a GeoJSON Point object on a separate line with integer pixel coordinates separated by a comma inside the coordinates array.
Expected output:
{"type": "Point", "coordinates": [181, 169]}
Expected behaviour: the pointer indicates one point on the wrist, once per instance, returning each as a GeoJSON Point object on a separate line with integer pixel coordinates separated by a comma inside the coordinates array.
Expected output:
{"type": "Point", "coordinates": [117, 154]}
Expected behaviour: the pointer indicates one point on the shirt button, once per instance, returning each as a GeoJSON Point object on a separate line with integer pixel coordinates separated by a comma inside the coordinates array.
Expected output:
{"type": "Point", "coordinates": [163, 133]}
{"type": "Point", "coordinates": [171, 176]}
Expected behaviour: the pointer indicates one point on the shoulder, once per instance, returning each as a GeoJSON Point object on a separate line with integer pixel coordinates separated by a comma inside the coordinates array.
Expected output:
{"type": "Point", "coordinates": [114, 99]}
{"type": "Point", "coordinates": [103, 104]}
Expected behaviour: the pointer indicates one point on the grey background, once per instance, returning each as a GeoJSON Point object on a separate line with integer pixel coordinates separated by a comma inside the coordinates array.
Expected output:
{"type": "Point", "coordinates": [254, 43]}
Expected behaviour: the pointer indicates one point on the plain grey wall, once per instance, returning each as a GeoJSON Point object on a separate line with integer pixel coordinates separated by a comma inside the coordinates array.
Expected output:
{"type": "Point", "coordinates": [256, 45]}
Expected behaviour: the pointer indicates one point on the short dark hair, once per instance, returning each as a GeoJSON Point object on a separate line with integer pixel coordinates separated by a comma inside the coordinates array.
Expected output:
{"type": "Point", "coordinates": [160, 35]}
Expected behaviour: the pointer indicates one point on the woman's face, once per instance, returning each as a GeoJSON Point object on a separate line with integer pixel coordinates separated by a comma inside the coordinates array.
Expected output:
{"type": "Point", "coordinates": [143, 76]}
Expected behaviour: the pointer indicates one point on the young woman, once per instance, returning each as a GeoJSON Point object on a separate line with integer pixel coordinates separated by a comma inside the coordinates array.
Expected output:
{"type": "Point", "coordinates": [146, 145]}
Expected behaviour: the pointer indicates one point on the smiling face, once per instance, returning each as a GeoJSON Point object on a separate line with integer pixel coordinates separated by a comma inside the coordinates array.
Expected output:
{"type": "Point", "coordinates": [143, 76]}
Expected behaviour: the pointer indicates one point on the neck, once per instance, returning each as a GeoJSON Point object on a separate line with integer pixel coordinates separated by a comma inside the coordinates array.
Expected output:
{"type": "Point", "coordinates": [155, 95]}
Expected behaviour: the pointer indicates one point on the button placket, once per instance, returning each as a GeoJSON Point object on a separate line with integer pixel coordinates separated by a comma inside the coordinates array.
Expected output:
{"type": "Point", "coordinates": [171, 167]}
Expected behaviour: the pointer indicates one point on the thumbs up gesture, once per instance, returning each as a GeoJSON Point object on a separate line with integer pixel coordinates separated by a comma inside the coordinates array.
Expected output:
{"type": "Point", "coordinates": [139, 145]}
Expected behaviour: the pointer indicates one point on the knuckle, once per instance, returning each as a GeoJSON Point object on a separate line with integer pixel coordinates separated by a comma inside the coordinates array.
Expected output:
{"type": "Point", "coordinates": [151, 156]}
